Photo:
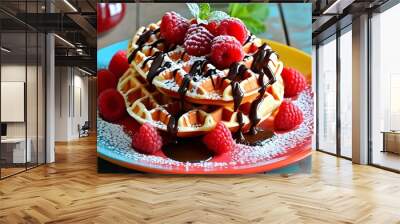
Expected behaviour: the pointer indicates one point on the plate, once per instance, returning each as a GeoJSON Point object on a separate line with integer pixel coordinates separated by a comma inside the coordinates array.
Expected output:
{"type": "Point", "coordinates": [281, 150]}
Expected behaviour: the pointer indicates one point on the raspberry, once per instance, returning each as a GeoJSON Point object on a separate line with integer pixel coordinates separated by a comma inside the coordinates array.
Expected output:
{"type": "Point", "coordinates": [233, 27]}
{"type": "Point", "coordinates": [119, 64]}
{"type": "Point", "coordinates": [193, 21]}
{"type": "Point", "coordinates": [129, 124]}
{"type": "Point", "coordinates": [173, 27]}
{"type": "Point", "coordinates": [226, 50]}
{"type": "Point", "coordinates": [111, 105]}
{"type": "Point", "coordinates": [289, 116]}
{"type": "Point", "coordinates": [219, 140]}
{"type": "Point", "coordinates": [105, 80]}
{"type": "Point", "coordinates": [147, 140]}
{"type": "Point", "coordinates": [294, 82]}
{"type": "Point", "coordinates": [198, 40]}
{"type": "Point", "coordinates": [212, 27]}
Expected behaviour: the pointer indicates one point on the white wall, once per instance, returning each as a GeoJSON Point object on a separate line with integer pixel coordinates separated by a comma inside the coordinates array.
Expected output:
{"type": "Point", "coordinates": [16, 73]}
{"type": "Point", "coordinates": [61, 103]}
{"type": "Point", "coordinates": [80, 85]}
{"type": "Point", "coordinates": [71, 93]}
{"type": "Point", "coordinates": [33, 127]}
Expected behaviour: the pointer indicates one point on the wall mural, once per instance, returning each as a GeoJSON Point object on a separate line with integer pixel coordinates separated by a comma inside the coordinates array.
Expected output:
{"type": "Point", "coordinates": [204, 88]}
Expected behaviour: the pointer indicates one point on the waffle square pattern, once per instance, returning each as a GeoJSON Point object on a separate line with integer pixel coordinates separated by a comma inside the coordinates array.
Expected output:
{"type": "Point", "coordinates": [187, 95]}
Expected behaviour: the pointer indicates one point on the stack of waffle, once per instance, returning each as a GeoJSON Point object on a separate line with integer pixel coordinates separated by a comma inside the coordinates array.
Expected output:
{"type": "Point", "coordinates": [187, 95]}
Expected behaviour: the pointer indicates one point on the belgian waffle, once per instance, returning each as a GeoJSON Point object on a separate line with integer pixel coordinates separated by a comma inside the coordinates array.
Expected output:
{"type": "Point", "coordinates": [146, 104]}
{"type": "Point", "coordinates": [196, 80]}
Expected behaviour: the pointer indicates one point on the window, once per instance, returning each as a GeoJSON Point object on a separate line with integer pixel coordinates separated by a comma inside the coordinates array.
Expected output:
{"type": "Point", "coordinates": [346, 93]}
{"type": "Point", "coordinates": [385, 89]}
{"type": "Point", "coordinates": [327, 96]}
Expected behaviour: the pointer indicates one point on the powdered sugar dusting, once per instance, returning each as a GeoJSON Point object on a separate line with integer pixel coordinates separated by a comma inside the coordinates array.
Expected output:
{"type": "Point", "coordinates": [281, 142]}
{"type": "Point", "coordinates": [114, 142]}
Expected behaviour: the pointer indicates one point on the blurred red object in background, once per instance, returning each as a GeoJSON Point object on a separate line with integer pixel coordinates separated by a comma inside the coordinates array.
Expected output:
{"type": "Point", "coordinates": [109, 15]}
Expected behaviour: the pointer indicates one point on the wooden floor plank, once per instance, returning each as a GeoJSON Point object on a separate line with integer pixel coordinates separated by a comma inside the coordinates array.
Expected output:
{"type": "Point", "coordinates": [71, 191]}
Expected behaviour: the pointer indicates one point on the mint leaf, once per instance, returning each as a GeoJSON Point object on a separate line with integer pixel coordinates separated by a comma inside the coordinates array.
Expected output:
{"type": "Point", "coordinates": [253, 15]}
{"type": "Point", "coordinates": [205, 11]}
{"type": "Point", "coordinates": [194, 9]}
{"type": "Point", "coordinates": [236, 9]}
{"type": "Point", "coordinates": [255, 26]}
{"type": "Point", "coordinates": [200, 11]}
{"type": "Point", "coordinates": [218, 16]}
{"type": "Point", "coordinates": [258, 11]}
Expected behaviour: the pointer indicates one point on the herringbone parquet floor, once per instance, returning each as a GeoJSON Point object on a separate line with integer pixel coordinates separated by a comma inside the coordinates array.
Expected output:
{"type": "Point", "coordinates": [71, 191]}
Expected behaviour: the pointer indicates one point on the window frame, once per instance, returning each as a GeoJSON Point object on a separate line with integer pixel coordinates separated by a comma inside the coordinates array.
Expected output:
{"type": "Point", "coordinates": [335, 36]}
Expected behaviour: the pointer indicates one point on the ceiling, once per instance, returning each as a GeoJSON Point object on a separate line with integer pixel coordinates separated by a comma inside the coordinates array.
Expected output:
{"type": "Point", "coordinates": [331, 15]}
{"type": "Point", "coordinates": [72, 20]}
{"type": "Point", "coordinates": [75, 22]}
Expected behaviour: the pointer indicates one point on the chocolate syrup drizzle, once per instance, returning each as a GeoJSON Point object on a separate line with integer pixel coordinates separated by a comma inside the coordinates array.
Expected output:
{"type": "Point", "coordinates": [143, 38]}
{"type": "Point", "coordinates": [168, 64]}
{"type": "Point", "coordinates": [171, 48]}
{"type": "Point", "coordinates": [235, 75]}
{"type": "Point", "coordinates": [183, 88]}
{"type": "Point", "coordinates": [172, 129]}
{"type": "Point", "coordinates": [248, 39]}
{"type": "Point", "coordinates": [155, 43]}
{"type": "Point", "coordinates": [237, 95]}
{"type": "Point", "coordinates": [260, 66]}
{"type": "Point", "coordinates": [197, 67]}
{"type": "Point", "coordinates": [155, 68]}
{"type": "Point", "coordinates": [174, 73]}
{"type": "Point", "coordinates": [239, 134]}
{"type": "Point", "coordinates": [194, 70]}
{"type": "Point", "coordinates": [150, 59]}
{"type": "Point", "coordinates": [183, 55]}
{"type": "Point", "coordinates": [156, 31]}
{"type": "Point", "coordinates": [210, 73]}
